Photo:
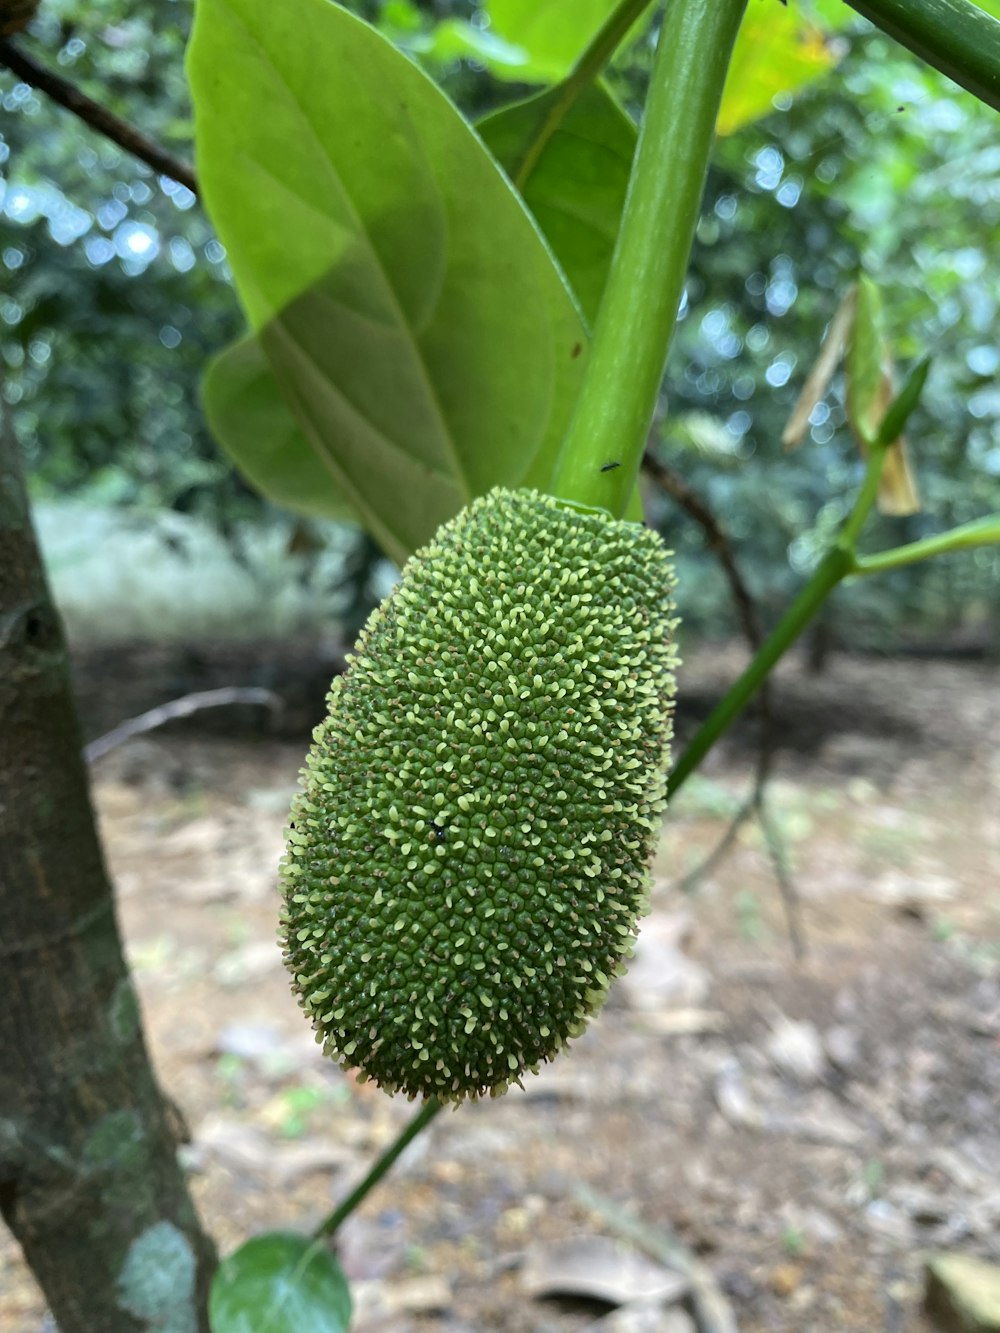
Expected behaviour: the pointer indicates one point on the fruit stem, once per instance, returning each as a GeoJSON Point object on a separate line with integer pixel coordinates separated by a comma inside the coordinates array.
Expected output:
{"type": "Point", "coordinates": [646, 280]}
{"type": "Point", "coordinates": [399, 1145]}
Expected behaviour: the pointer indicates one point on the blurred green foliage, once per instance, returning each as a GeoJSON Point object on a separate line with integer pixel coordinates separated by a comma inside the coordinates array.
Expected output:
{"type": "Point", "coordinates": [113, 289]}
{"type": "Point", "coordinates": [886, 166]}
{"type": "Point", "coordinates": [114, 293]}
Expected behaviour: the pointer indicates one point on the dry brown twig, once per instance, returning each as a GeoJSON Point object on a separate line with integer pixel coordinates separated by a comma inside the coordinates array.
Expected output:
{"type": "Point", "coordinates": [98, 117]}
{"type": "Point", "coordinates": [177, 708]}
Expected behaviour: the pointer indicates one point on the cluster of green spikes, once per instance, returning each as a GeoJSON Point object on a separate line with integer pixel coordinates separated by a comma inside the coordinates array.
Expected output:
{"type": "Point", "coordinates": [469, 854]}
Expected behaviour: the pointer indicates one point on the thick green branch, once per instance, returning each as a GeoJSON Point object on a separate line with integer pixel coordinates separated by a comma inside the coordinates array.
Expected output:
{"type": "Point", "coordinates": [954, 36]}
{"type": "Point", "coordinates": [639, 308]}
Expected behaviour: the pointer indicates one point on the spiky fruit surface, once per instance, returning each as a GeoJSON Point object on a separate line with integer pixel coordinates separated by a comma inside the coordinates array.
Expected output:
{"type": "Point", "coordinates": [468, 857]}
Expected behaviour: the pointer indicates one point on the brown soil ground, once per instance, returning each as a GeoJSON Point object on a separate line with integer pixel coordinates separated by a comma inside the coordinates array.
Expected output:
{"type": "Point", "coordinates": [808, 1129]}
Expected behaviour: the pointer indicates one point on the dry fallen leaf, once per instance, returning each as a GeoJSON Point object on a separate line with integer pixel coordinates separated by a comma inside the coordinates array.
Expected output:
{"type": "Point", "coordinates": [598, 1268]}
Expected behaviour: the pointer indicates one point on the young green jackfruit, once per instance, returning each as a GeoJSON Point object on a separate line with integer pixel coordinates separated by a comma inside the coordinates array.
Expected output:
{"type": "Point", "coordinates": [468, 856]}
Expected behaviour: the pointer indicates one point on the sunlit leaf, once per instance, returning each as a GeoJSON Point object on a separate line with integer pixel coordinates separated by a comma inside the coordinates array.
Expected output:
{"type": "Point", "coordinates": [570, 158]}
{"type": "Point", "coordinates": [569, 150]}
{"type": "Point", "coordinates": [552, 33]}
{"type": "Point", "coordinates": [704, 434]}
{"type": "Point", "coordinates": [455, 39]}
{"type": "Point", "coordinates": [778, 50]}
{"type": "Point", "coordinates": [411, 311]}
{"type": "Point", "coordinates": [255, 426]}
{"type": "Point", "coordinates": [830, 14]}
{"type": "Point", "coordinates": [280, 1282]}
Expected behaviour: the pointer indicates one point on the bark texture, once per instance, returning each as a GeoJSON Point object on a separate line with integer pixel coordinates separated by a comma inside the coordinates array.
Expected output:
{"type": "Point", "coordinates": [89, 1179]}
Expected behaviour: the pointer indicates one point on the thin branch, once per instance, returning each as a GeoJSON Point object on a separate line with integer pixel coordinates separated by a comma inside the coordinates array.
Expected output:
{"type": "Point", "coordinates": [695, 507]}
{"type": "Point", "coordinates": [98, 117]}
{"type": "Point", "coordinates": [175, 708]}
{"type": "Point", "coordinates": [385, 1160]}
{"type": "Point", "coordinates": [791, 901]}
{"type": "Point", "coordinates": [689, 882]}
{"type": "Point", "coordinates": [755, 805]}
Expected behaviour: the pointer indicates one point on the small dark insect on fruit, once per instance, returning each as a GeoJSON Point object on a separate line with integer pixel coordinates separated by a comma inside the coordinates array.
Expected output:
{"type": "Point", "coordinates": [610, 467]}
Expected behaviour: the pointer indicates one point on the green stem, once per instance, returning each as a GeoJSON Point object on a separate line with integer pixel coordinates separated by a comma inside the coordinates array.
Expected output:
{"type": "Point", "coordinates": [838, 562]}
{"type": "Point", "coordinates": [866, 497]}
{"type": "Point", "coordinates": [639, 307]}
{"type": "Point", "coordinates": [582, 75]}
{"type": "Point", "coordinates": [954, 36]}
{"type": "Point", "coordinates": [835, 565]}
{"type": "Point", "coordinates": [611, 35]}
{"type": "Point", "coordinates": [399, 1145]}
{"type": "Point", "coordinates": [980, 532]}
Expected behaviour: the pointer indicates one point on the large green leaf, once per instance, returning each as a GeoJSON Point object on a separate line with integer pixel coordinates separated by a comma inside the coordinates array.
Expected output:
{"type": "Point", "coordinates": [412, 313]}
{"type": "Point", "coordinates": [570, 157]}
{"type": "Point", "coordinates": [280, 1282]}
{"type": "Point", "coordinates": [778, 50]}
{"type": "Point", "coordinates": [456, 39]}
{"type": "Point", "coordinates": [552, 33]}
{"type": "Point", "coordinates": [255, 426]}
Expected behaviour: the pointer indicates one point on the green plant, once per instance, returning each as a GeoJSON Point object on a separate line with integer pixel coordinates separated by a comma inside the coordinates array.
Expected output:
{"type": "Point", "coordinates": [450, 924]}
{"type": "Point", "coordinates": [793, 1242]}
{"type": "Point", "coordinates": [423, 369]}
{"type": "Point", "coordinates": [431, 323]}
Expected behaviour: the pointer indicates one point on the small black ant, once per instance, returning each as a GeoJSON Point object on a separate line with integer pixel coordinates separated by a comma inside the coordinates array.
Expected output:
{"type": "Point", "coordinates": [610, 467]}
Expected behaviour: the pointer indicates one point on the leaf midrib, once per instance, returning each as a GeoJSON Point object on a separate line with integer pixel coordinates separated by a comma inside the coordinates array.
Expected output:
{"type": "Point", "coordinates": [362, 232]}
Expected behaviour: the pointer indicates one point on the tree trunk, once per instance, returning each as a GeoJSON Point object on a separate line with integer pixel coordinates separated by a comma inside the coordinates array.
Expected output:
{"type": "Point", "coordinates": [89, 1179]}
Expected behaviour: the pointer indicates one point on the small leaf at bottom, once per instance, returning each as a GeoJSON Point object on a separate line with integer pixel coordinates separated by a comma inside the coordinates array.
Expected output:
{"type": "Point", "coordinates": [280, 1282]}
